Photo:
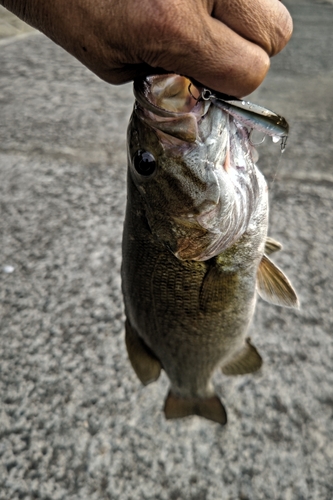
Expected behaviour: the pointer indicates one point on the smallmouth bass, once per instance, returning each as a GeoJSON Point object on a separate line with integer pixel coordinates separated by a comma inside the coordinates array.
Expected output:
{"type": "Point", "coordinates": [195, 245]}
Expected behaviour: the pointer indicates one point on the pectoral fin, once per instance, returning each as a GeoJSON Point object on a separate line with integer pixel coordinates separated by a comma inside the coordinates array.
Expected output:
{"type": "Point", "coordinates": [272, 246]}
{"type": "Point", "coordinates": [217, 289]}
{"type": "Point", "coordinates": [144, 362]}
{"type": "Point", "coordinates": [212, 291]}
{"type": "Point", "coordinates": [273, 286]}
{"type": "Point", "coordinates": [210, 408]}
{"type": "Point", "coordinates": [247, 361]}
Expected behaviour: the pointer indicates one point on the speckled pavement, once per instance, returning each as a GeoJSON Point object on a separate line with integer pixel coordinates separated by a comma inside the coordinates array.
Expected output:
{"type": "Point", "coordinates": [11, 28]}
{"type": "Point", "coordinates": [75, 423]}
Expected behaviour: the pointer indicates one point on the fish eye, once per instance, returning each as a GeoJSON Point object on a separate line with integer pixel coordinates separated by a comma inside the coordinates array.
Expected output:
{"type": "Point", "coordinates": [144, 163]}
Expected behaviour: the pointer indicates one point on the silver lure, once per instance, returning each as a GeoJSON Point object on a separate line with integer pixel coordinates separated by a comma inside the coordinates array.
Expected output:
{"type": "Point", "coordinates": [252, 115]}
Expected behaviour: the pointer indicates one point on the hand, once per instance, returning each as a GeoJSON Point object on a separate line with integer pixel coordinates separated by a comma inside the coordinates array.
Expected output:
{"type": "Point", "coordinates": [223, 44]}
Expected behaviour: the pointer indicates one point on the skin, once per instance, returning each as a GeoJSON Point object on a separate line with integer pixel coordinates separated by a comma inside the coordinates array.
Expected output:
{"type": "Point", "coordinates": [224, 44]}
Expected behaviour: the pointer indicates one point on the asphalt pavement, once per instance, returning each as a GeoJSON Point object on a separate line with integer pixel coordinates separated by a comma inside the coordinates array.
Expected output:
{"type": "Point", "coordinates": [75, 423]}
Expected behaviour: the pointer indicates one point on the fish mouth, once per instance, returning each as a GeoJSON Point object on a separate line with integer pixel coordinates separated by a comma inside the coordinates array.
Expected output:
{"type": "Point", "coordinates": [170, 104]}
{"type": "Point", "coordinates": [167, 95]}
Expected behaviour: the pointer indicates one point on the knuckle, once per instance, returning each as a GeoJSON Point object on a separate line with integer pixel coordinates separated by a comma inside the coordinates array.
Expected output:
{"type": "Point", "coordinates": [282, 33]}
{"type": "Point", "coordinates": [255, 75]}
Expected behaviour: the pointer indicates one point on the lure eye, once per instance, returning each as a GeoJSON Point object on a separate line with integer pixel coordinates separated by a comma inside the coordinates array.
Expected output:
{"type": "Point", "coordinates": [144, 163]}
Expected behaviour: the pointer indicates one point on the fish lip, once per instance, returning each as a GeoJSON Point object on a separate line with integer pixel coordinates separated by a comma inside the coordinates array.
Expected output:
{"type": "Point", "coordinates": [175, 126]}
{"type": "Point", "coordinates": [141, 91]}
{"type": "Point", "coordinates": [164, 122]}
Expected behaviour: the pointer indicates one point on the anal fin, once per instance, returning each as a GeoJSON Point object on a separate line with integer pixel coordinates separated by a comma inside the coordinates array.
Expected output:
{"type": "Point", "coordinates": [210, 408]}
{"type": "Point", "coordinates": [247, 361]}
{"type": "Point", "coordinates": [144, 362]}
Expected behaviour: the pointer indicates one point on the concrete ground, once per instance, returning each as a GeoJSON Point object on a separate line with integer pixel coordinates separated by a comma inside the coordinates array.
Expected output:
{"type": "Point", "coordinates": [75, 423]}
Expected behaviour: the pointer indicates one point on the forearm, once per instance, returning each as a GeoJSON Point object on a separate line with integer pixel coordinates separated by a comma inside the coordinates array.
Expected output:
{"type": "Point", "coordinates": [33, 12]}
{"type": "Point", "coordinates": [69, 23]}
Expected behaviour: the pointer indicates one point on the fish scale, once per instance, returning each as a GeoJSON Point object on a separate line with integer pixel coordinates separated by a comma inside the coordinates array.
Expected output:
{"type": "Point", "coordinates": [169, 303]}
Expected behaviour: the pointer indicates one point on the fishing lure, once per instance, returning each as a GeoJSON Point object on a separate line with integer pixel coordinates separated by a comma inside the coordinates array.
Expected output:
{"type": "Point", "coordinates": [252, 115]}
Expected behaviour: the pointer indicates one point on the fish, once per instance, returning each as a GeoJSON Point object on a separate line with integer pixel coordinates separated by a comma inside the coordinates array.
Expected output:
{"type": "Point", "coordinates": [195, 246]}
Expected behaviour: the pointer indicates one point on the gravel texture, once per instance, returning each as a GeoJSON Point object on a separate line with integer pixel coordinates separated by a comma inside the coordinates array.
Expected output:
{"type": "Point", "coordinates": [75, 423]}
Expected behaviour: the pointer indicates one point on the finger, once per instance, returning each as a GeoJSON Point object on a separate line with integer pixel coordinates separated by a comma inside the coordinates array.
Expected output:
{"type": "Point", "coordinates": [264, 22]}
{"type": "Point", "coordinates": [213, 54]}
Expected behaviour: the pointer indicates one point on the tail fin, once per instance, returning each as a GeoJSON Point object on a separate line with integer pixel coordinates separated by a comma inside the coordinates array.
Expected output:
{"type": "Point", "coordinates": [210, 408]}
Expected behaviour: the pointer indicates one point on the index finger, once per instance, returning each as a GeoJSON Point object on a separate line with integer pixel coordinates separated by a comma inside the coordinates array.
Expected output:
{"type": "Point", "coordinates": [266, 23]}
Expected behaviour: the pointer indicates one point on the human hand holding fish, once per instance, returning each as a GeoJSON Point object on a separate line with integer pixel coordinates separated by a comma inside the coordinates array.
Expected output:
{"type": "Point", "coordinates": [224, 44]}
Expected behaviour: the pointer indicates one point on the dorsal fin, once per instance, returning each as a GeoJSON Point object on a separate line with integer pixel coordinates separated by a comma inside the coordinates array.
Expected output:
{"type": "Point", "coordinates": [273, 286]}
{"type": "Point", "coordinates": [247, 361]}
{"type": "Point", "coordinates": [272, 246]}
